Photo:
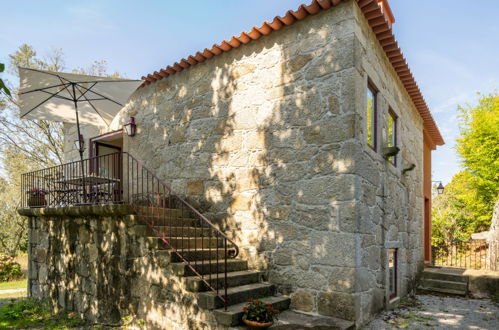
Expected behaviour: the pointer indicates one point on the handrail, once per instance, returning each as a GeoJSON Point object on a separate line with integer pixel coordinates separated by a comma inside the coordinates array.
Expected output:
{"type": "Point", "coordinates": [122, 178]}
{"type": "Point", "coordinates": [186, 204]}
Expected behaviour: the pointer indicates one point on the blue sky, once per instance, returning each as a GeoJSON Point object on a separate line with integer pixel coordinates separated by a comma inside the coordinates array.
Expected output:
{"type": "Point", "coordinates": [452, 46]}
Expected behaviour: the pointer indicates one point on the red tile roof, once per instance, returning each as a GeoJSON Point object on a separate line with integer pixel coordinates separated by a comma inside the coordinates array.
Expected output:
{"type": "Point", "coordinates": [376, 19]}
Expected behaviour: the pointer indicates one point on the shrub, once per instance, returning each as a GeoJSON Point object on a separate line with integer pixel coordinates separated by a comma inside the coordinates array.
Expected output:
{"type": "Point", "coordinates": [9, 269]}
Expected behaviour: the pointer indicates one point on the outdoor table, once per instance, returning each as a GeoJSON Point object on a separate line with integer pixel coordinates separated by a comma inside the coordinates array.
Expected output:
{"type": "Point", "coordinates": [89, 187]}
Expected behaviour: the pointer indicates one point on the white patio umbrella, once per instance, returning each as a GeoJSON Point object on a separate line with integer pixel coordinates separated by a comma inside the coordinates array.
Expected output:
{"type": "Point", "coordinates": [72, 98]}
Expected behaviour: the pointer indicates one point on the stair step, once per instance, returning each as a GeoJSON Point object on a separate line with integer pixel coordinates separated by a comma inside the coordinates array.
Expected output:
{"type": "Point", "coordinates": [298, 320]}
{"type": "Point", "coordinates": [233, 265]}
{"type": "Point", "coordinates": [234, 313]}
{"type": "Point", "coordinates": [442, 290]}
{"type": "Point", "coordinates": [201, 255]}
{"type": "Point", "coordinates": [167, 222]}
{"type": "Point", "coordinates": [435, 275]}
{"type": "Point", "coordinates": [209, 300]}
{"type": "Point", "coordinates": [195, 284]}
{"type": "Point", "coordinates": [162, 212]}
{"type": "Point", "coordinates": [185, 243]}
{"type": "Point", "coordinates": [431, 283]}
{"type": "Point", "coordinates": [174, 231]}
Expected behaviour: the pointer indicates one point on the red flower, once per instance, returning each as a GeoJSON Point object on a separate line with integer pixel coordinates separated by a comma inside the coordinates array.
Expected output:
{"type": "Point", "coordinates": [245, 308]}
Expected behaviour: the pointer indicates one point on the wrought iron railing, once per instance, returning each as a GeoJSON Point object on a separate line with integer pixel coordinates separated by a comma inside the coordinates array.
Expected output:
{"type": "Point", "coordinates": [173, 222]}
{"type": "Point", "coordinates": [474, 254]}
{"type": "Point", "coordinates": [97, 180]}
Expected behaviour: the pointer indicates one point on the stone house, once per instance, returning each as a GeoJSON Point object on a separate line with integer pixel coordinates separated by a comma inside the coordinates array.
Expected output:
{"type": "Point", "coordinates": [305, 140]}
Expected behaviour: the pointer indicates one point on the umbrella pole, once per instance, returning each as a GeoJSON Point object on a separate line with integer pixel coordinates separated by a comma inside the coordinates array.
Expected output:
{"type": "Point", "coordinates": [80, 149]}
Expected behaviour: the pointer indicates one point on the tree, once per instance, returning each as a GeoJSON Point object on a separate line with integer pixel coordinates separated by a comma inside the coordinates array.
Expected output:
{"type": "Point", "coordinates": [458, 212]}
{"type": "Point", "coordinates": [13, 227]}
{"type": "Point", "coordinates": [27, 145]}
{"type": "Point", "coordinates": [467, 204]}
{"type": "Point", "coordinates": [3, 88]}
{"type": "Point", "coordinates": [478, 147]}
{"type": "Point", "coordinates": [40, 141]}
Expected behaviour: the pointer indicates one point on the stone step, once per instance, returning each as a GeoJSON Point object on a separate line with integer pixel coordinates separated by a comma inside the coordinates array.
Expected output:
{"type": "Point", "coordinates": [174, 231]}
{"type": "Point", "coordinates": [235, 295]}
{"type": "Point", "coordinates": [174, 222]}
{"type": "Point", "coordinates": [201, 255]}
{"type": "Point", "coordinates": [233, 265]}
{"type": "Point", "coordinates": [161, 212]}
{"type": "Point", "coordinates": [185, 243]}
{"type": "Point", "coordinates": [297, 320]}
{"type": "Point", "coordinates": [442, 290]}
{"type": "Point", "coordinates": [435, 275]}
{"type": "Point", "coordinates": [195, 284]}
{"type": "Point", "coordinates": [431, 283]}
{"type": "Point", "coordinates": [232, 317]}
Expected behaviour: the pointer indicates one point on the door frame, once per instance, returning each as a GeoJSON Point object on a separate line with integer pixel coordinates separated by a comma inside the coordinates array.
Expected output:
{"type": "Point", "coordinates": [95, 140]}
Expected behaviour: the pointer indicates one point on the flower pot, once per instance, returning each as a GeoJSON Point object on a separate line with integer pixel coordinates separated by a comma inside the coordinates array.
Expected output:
{"type": "Point", "coordinates": [258, 325]}
{"type": "Point", "coordinates": [37, 201]}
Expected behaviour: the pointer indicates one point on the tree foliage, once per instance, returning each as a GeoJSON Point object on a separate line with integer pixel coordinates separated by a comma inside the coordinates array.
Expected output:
{"type": "Point", "coordinates": [26, 145]}
{"type": "Point", "coordinates": [467, 204]}
{"type": "Point", "coordinates": [478, 147]}
{"type": "Point", "coordinates": [39, 141]}
{"type": "Point", "coordinates": [3, 88]}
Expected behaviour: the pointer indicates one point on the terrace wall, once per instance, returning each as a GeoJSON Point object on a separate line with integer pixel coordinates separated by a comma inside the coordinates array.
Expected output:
{"type": "Point", "coordinates": [94, 261]}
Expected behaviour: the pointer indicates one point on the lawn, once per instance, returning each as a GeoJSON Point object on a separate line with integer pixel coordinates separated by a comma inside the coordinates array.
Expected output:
{"type": "Point", "coordinates": [7, 298]}
{"type": "Point", "coordinates": [19, 284]}
{"type": "Point", "coordinates": [27, 313]}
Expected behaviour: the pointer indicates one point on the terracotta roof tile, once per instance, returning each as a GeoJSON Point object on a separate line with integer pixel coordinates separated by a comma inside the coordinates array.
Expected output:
{"type": "Point", "coordinates": [376, 19]}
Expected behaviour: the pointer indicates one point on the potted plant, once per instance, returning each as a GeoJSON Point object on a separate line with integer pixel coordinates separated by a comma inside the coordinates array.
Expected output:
{"type": "Point", "coordinates": [37, 197]}
{"type": "Point", "coordinates": [257, 314]}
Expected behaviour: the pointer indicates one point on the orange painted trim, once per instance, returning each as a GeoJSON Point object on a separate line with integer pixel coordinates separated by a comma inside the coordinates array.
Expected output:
{"type": "Point", "coordinates": [428, 146]}
{"type": "Point", "coordinates": [373, 14]}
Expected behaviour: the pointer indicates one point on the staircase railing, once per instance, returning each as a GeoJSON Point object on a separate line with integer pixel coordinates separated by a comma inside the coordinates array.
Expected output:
{"type": "Point", "coordinates": [120, 178]}
{"type": "Point", "coordinates": [201, 246]}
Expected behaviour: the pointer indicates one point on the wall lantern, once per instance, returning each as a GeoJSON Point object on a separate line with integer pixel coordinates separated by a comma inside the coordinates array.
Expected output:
{"type": "Point", "coordinates": [80, 143]}
{"type": "Point", "coordinates": [440, 187]}
{"type": "Point", "coordinates": [130, 127]}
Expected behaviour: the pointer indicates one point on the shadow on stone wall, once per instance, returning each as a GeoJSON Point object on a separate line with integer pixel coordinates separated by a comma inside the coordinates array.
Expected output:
{"type": "Point", "coordinates": [272, 142]}
{"type": "Point", "coordinates": [266, 141]}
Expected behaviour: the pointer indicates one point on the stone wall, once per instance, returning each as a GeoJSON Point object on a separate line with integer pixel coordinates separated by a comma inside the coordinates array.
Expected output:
{"type": "Point", "coordinates": [390, 203]}
{"type": "Point", "coordinates": [268, 142]}
{"type": "Point", "coordinates": [95, 262]}
{"type": "Point", "coordinates": [260, 139]}
{"type": "Point", "coordinates": [71, 135]}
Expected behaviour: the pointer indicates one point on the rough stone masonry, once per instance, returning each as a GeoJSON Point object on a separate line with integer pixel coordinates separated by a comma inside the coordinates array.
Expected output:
{"type": "Point", "coordinates": [268, 141]}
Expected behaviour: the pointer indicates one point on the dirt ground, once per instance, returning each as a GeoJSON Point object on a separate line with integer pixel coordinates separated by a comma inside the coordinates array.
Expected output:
{"type": "Point", "coordinates": [440, 312]}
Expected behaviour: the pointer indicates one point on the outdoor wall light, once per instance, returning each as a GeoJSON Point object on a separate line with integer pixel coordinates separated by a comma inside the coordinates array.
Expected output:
{"type": "Point", "coordinates": [80, 143]}
{"type": "Point", "coordinates": [440, 187]}
{"type": "Point", "coordinates": [130, 127]}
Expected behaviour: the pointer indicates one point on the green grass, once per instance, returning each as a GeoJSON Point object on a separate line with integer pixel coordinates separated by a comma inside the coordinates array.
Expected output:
{"type": "Point", "coordinates": [11, 297]}
{"type": "Point", "coordinates": [19, 284]}
{"type": "Point", "coordinates": [25, 313]}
